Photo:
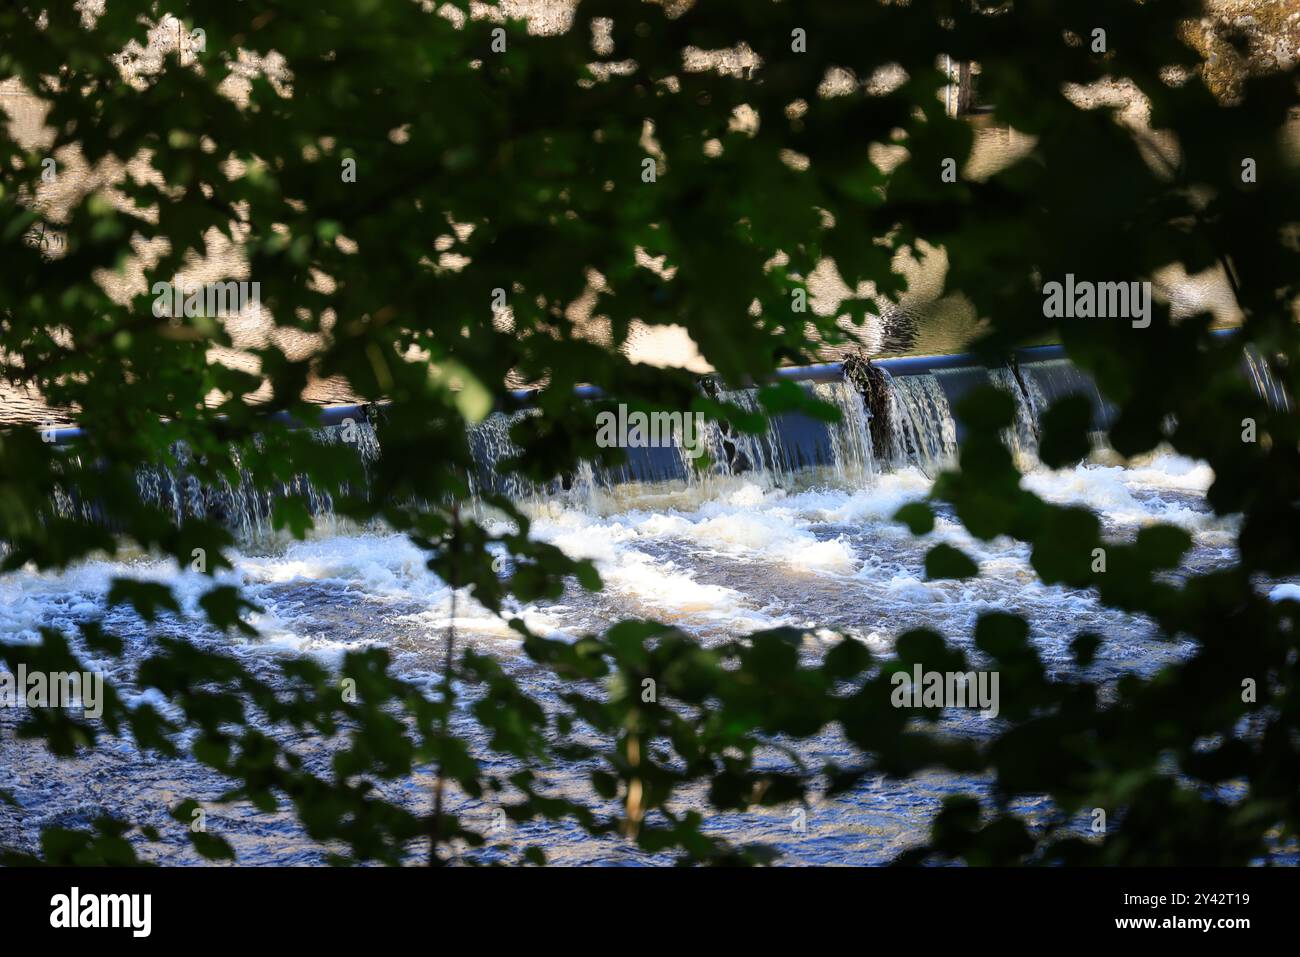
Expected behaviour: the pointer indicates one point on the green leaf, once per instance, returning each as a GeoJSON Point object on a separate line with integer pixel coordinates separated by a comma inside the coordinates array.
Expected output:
{"type": "Point", "coordinates": [1065, 432]}
{"type": "Point", "coordinates": [1163, 546]}
{"type": "Point", "coordinates": [944, 561]}
{"type": "Point", "coordinates": [917, 516]}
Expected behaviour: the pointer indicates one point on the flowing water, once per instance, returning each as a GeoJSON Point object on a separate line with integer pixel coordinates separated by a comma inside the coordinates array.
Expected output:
{"type": "Point", "coordinates": [790, 528]}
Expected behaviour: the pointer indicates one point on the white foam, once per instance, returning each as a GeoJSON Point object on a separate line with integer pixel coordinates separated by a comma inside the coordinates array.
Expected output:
{"type": "Point", "coordinates": [1132, 495]}
{"type": "Point", "coordinates": [700, 562]}
{"type": "Point", "coordinates": [1285, 592]}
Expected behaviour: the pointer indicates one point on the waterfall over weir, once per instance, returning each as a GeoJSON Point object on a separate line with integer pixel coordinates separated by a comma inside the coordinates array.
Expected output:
{"type": "Point", "coordinates": [888, 421]}
{"type": "Point", "coordinates": [240, 505]}
{"type": "Point", "coordinates": [894, 414]}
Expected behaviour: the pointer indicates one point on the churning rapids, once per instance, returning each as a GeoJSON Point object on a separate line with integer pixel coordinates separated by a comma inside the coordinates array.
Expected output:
{"type": "Point", "coordinates": [779, 543]}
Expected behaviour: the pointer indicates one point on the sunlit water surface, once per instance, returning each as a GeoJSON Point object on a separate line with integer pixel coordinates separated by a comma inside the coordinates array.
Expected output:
{"type": "Point", "coordinates": [719, 561]}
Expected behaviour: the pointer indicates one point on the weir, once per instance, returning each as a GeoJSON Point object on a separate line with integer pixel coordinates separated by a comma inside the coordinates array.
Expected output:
{"type": "Point", "coordinates": [894, 413]}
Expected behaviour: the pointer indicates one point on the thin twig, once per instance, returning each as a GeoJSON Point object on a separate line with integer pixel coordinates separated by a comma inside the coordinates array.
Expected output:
{"type": "Point", "coordinates": [440, 786]}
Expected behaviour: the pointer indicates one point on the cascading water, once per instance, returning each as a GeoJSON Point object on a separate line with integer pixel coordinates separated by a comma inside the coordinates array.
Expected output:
{"type": "Point", "coordinates": [1022, 437]}
{"type": "Point", "coordinates": [792, 527]}
{"type": "Point", "coordinates": [886, 424]}
{"type": "Point", "coordinates": [852, 452]}
{"type": "Point", "coordinates": [922, 425]}
{"type": "Point", "coordinates": [240, 504]}
{"type": "Point", "coordinates": [789, 445]}
{"type": "Point", "coordinates": [1266, 383]}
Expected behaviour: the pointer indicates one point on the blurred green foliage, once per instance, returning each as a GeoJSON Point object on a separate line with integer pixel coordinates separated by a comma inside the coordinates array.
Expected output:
{"type": "Point", "coordinates": [542, 155]}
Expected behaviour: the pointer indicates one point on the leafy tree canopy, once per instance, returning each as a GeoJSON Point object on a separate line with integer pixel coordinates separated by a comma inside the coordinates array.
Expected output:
{"type": "Point", "coordinates": [489, 161]}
